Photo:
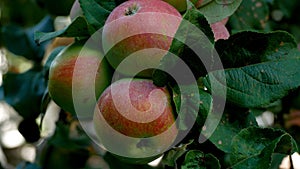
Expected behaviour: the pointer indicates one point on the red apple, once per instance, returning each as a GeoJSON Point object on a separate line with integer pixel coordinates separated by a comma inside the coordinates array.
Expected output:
{"type": "Point", "coordinates": [134, 120]}
{"type": "Point", "coordinates": [181, 5]}
{"type": "Point", "coordinates": [136, 25]}
{"type": "Point", "coordinates": [66, 82]}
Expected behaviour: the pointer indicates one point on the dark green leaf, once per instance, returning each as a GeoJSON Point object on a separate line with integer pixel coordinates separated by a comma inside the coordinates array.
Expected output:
{"type": "Point", "coordinates": [50, 58]}
{"type": "Point", "coordinates": [187, 102]}
{"type": "Point", "coordinates": [251, 15]}
{"type": "Point", "coordinates": [27, 165]}
{"type": "Point", "coordinates": [258, 85]}
{"type": "Point", "coordinates": [215, 11]}
{"type": "Point", "coordinates": [170, 158]}
{"type": "Point", "coordinates": [78, 28]}
{"type": "Point", "coordinates": [288, 8]}
{"type": "Point", "coordinates": [62, 157]}
{"type": "Point", "coordinates": [192, 44]}
{"type": "Point", "coordinates": [29, 130]}
{"type": "Point", "coordinates": [107, 4]}
{"type": "Point", "coordinates": [206, 106]}
{"type": "Point", "coordinates": [277, 160]}
{"type": "Point", "coordinates": [246, 48]}
{"type": "Point", "coordinates": [116, 163]}
{"type": "Point", "coordinates": [21, 42]}
{"type": "Point", "coordinates": [233, 120]}
{"type": "Point", "coordinates": [1, 93]}
{"type": "Point", "coordinates": [24, 92]}
{"type": "Point", "coordinates": [253, 147]}
{"type": "Point", "coordinates": [196, 159]}
{"type": "Point", "coordinates": [95, 13]}
{"type": "Point", "coordinates": [46, 99]}
{"type": "Point", "coordinates": [62, 138]}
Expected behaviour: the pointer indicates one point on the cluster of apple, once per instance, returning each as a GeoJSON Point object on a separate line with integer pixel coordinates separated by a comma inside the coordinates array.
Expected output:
{"type": "Point", "coordinates": [133, 118]}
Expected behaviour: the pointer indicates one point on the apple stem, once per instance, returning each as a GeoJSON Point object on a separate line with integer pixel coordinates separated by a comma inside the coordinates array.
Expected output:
{"type": "Point", "coordinates": [132, 10]}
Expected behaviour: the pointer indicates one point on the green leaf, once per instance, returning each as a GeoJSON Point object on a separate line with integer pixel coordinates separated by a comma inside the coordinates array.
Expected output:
{"type": "Point", "coordinates": [193, 40]}
{"type": "Point", "coordinates": [258, 85]}
{"type": "Point", "coordinates": [233, 120]}
{"type": "Point", "coordinates": [20, 41]}
{"type": "Point", "coordinates": [115, 163]}
{"type": "Point", "coordinates": [27, 165]}
{"type": "Point", "coordinates": [196, 159]}
{"type": "Point", "coordinates": [170, 158]}
{"type": "Point", "coordinates": [62, 138]}
{"type": "Point", "coordinates": [78, 28]}
{"type": "Point", "coordinates": [215, 11]}
{"type": "Point", "coordinates": [186, 99]}
{"type": "Point", "coordinates": [24, 91]}
{"type": "Point", "coordinates": [46, 99]}
{"type": "Point", "coordinates": [1, 93]}
{"type": "Point", "coordinates": [50, 58]}
{"type": "Point", "coordinates": [253, 147]}
{"type": "Point", "coordinates": [205, 108]}
{"type": "Point", "coordinates": [260, 68]}
{"type": "Point", "coordinates": [247, 48]}
{"type": "Point", "coordinates": [29, 130]}
{"type": "Point", "coordinates": [277, 160]}
{"type": "Point", "coordinates": [95, 14]}
{"type": "Point", "coordinates": [251, 15]}
{"type": "Point", "coordinates": [107, 4]}
{"type": "Point", "coordinates": [289, 8]}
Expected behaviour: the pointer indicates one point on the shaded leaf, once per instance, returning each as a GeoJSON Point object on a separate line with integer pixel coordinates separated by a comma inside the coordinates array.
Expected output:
{"type": "Point", "coordinates": [251, 15]}
{"type": "Point", "coordinates": [253, 147]}
{"type": "Point", "coordinates": [50, 58]}
{"type": "Point", "coordinates": [27, 165]}
{"type": "Point", "coordinates": [187, 102]}
{"type": "Point", "coordinates": [215, 11]}
{"type": "Point", "coordinates": [78, 28]}
{"type": "Point", "coordinates": [170, 158]}
{"type": "Point", "coordinates": [289, 8]}
{"type": "Point", "coordinates": [46, 99]}
{"type": "Point", "coordinates": [192, 44]}
{"type": "Point", "coordinates": [62, 138]}
{"type": "Point", "coordinates": [24, 92]}
{"type": "Point", "coordinates": [246, 48]}
{"type": "Point", "coordinates": [258, 85]}
{"type": "Point", "coordinates": [21, 42]}
{"type": "Point", "coordinates": [233, 120]}
{"type": "Point", "coordinates": [29, 130]}
{"type": "Point", "coordinates": [1, 93]}
{"type": "Point", "coordinates": [95, 13]}
{"type": "Point", "coordinates": [116, 163]}
{"type": "Point", "coordinates": [195, 159]}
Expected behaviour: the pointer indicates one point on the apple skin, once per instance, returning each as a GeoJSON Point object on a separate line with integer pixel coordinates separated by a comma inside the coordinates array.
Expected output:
{"type": "Point", "coordinates": [136, 25]}
{"type": "Point", "coordinates": [181, 5]}
{"type": "Point", "coordinates": [61, 82]}
{"type": "Point", "coordinates": [137, 134]}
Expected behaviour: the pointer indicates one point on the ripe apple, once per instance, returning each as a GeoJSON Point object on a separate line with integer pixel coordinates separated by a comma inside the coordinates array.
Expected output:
{"type": "Point", "coordinates": [64, 79]}
{"type": "Point", "coordinates": [181, 5]}
{"type": "Point", "coordinates": [136, 25]}
{"type": "Point", "coordinates": [134, 120]}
